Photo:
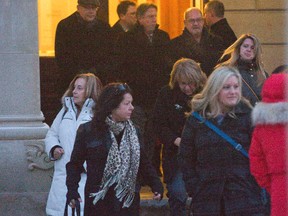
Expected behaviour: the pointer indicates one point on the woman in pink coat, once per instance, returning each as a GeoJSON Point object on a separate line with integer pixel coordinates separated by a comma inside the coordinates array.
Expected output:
{"type": "Point", "coordinates": [267, 151]}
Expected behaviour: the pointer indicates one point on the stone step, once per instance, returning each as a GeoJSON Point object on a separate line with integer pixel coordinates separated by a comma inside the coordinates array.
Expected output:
{"type": "Point", "coordinates": [149, 207]}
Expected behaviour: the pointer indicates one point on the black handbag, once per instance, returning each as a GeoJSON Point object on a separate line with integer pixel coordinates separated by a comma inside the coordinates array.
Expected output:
{"type": "Point", "coordinates": [77, 208]}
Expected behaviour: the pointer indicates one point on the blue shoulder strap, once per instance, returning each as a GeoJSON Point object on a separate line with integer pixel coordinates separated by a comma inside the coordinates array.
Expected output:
{"type": "Point", "coordinates": [236, 145]}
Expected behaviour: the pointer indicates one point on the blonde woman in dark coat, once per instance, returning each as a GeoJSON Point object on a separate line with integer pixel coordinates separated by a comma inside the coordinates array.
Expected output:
{"type": "Point", "coordinates": [173, 101]}
{"type": "Point", "coordinates": [216, 175]}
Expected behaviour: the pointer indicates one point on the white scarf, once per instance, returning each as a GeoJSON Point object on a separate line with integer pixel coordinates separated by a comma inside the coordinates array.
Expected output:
{"type": "Point", "coordinates": [122, 163]}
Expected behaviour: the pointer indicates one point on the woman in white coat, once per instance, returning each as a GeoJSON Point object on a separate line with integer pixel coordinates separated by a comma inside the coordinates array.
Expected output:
{"type": "Point", "coordinates": [78, 102]}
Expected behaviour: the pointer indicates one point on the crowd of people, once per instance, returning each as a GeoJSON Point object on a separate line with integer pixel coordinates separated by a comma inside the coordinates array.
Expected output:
{"type": "Point", "coordinates": [193, 94]}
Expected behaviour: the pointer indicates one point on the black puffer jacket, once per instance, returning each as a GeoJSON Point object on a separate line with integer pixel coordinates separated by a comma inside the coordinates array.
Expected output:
{"type": "Point", "coordinates": [94, 150]}
{"type": "Point", "coordinates": [215, 174]}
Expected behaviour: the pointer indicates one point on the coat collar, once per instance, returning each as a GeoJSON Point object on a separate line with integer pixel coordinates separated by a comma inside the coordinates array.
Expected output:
{"type": "Point", "coordinates": [242, 107]}
{"type": "Point", "coordinates": [270, 113]}
{"type": "Point", "coordinates": [204, 35]}
{"type": "Point", "coordinates": [219, 23]}
{"type": "Point", "coordinates": [69, 103]}
{"type": "Point", "coordinates": [140, 28]}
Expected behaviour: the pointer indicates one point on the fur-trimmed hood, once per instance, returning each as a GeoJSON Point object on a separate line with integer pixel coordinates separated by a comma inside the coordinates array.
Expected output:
{"type": "Point", "coordinates": [270, 113]}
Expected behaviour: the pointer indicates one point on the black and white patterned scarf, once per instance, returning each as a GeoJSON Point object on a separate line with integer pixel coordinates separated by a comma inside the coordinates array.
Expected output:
{"type": "Point", "coordinates": [122, 163]}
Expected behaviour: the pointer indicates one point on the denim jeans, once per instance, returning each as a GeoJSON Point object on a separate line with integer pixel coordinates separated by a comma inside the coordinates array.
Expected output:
{"type": "Point", "coordinates": [177, 195]}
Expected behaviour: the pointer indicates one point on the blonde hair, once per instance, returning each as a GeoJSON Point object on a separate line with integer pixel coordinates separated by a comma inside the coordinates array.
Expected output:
{"type": "Point", "coordinates": [207, 102]}
{"type": "Point", "coordinates": [187, 70]}
{"type": "Point", "coordinates": [93, 86]}
{"type": "Point", "coordinates": [234, 52]}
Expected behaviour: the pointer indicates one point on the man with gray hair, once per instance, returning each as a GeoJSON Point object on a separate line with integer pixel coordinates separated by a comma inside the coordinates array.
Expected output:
{"type": "Point", "coordinates": [218, 25]}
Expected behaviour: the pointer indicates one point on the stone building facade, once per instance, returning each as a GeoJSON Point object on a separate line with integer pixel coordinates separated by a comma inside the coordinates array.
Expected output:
{"type": "Point", "coordinates": [268, 20]}
{"type": "Point", "coordinates": [25, 172]}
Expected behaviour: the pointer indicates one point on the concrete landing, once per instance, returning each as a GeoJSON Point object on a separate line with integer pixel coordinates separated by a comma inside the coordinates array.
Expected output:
{"type": "Point", "coordinates": [150, 207]}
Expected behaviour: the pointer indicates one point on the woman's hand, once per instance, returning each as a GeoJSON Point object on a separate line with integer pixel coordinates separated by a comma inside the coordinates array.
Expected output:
{"type": "Point", "coordinates": [58, 152]}
{"type": "Point", "coordinates": [72, 203]}
{"type": "Point", "coordinates": [177, 141]}
{"type": "Point", "coordinates": [157, 196]}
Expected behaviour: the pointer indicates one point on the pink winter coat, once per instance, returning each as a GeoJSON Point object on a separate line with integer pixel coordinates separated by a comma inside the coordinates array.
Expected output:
{"type": "Point", "coordinates": [267, 151]}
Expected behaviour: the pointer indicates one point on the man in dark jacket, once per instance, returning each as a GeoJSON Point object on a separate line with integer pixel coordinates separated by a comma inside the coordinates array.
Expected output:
{"type": "Point", "coordinates": [126, 11]}
{"type": "Point", "coordinates": [218, 25]}
{"type": "Point", "coordinates": [142, 57]}
{"type": "Point", "coordinates": [196, 42]}
{"type": "Point", "coordinates": [82, 43]}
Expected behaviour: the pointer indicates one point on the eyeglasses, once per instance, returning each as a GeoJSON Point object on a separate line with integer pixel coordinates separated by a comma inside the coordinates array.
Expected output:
{"type": "Point", "coordinates": [192, 21]}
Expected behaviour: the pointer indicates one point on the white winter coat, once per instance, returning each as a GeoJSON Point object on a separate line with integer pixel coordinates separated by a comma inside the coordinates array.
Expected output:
{"type": "Point", "coordinates": [63, 133]}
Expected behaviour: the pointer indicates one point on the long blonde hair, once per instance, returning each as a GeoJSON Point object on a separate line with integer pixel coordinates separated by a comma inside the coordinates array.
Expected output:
{"type": "Point", "coordinates": [234, 53]}
{"type": "Point", "coordinates": [207, 101]}
{"type": "Point", "coordinates": [93, 86]}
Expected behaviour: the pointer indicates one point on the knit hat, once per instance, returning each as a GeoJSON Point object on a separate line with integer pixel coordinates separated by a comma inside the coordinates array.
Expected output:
{"type": "Point", "coordinates": [89, 2]}
{"type": "Point", "coordinates": [275, 89]}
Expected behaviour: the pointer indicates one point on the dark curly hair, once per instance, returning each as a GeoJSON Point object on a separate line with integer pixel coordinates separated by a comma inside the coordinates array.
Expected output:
{"type": "Point", "coordinates": [109, 99]}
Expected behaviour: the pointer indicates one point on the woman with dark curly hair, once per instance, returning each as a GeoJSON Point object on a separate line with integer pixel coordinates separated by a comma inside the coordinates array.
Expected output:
{"type": "Point", "coordinates": [110, 145]}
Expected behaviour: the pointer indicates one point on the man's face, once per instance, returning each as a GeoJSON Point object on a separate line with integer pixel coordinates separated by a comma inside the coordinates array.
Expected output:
{"type": "Point", "coordinates": [194, 22]}
{"type": "Point", "coordinates": [87, 12]}
{"type": "Point", "coordinates": [208, 16]}
{"type": "Point", "coordinates": [149, 20]}
{"type": "Point", "coordinates": [130, 17]}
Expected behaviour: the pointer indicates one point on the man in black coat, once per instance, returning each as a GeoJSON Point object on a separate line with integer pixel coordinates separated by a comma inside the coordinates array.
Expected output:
{"type": "Point", "coordinates": [218, 25]}
{"type": "Point", "coordinates": [82, 43]}
{"type": "Point", "coordinates": [196, 43]}
{"type": "Point", "coordinates": [142, 52]}
{"type": "Point", "coordinates": [126, 11]}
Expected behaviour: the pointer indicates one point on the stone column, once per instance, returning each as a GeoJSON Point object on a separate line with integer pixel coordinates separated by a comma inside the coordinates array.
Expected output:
{"type": "Point", "coordinates": [25, 173]}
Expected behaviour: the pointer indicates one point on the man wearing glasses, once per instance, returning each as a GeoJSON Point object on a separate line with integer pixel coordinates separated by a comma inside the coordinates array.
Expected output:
{"type": "Point", "coordinates": [196, 42]}
{"type": "Point", "coordinates": [82, 43]}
